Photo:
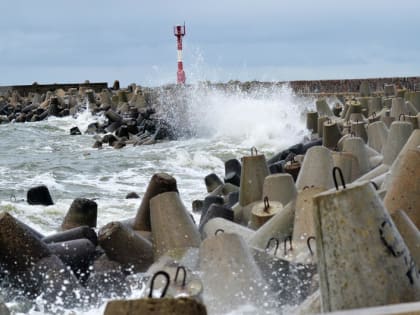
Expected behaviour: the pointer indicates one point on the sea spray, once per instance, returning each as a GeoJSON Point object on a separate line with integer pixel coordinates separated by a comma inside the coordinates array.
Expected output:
{"type": "Point", "coordinates": [265, 116]}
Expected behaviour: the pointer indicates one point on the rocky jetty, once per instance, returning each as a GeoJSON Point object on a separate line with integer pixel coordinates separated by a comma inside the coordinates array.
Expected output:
{"type": "Point", "coordinates": [330, 224]}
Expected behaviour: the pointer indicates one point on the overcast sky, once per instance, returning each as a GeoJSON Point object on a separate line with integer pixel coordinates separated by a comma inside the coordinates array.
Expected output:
{"type": "Point", "coordinates": [276, 40]}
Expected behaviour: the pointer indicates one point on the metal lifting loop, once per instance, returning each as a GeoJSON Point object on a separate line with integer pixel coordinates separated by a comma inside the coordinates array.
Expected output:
{"type": "Point", "coordinates": [374, 185]}
{"type": "Point", "coordinates": [374, 115]}
{"type": "Point", "coordinates": [335, 169]}
{"type": "Point", "coordinates": [166, 275]}
{"type": "Point", "coordinates": [185, 275]}
{"type": "Point", "coordinates": [12, 198]}
{"type": "Point", "coordinates": [277, 244]}
{"type": "Point", "coordinates": [399, 117]}
{"type": "Point", "coordinates": [266, 204]}
{"type": "Point", "coordinates": [254, 149]}
{"type": "Point", "coordinates": [287, 238]}
{"type": "Point", "coordinates": [308, 243]}
{"type": "Point", "coordinates": [219, 231]}
{"type": "Point", "coordinates": [329, 121]}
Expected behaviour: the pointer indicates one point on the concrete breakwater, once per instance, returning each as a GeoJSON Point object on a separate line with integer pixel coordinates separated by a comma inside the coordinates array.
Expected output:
{"type": "Point", "coordinates": [320, 235]}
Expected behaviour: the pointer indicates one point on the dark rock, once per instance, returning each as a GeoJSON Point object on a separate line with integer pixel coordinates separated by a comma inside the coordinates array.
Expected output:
{"type": "Point", "coordinates": [39, 195]}
{"type": "Point", "coordinates": [109, 138]}
{"type": "Point", "coordinates": [75, 131]}
{"type": "Point", "coordinates": [119, 144]}
{"type": "Point", "coordinates": [132, 195]}
{"type": "Point", "coordinates": [97, 145]}
{"type": "Point", "coordinates": [122, 131]}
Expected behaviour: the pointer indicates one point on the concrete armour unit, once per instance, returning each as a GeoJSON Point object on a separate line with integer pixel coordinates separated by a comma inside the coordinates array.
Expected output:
{"type": "Point", "coordinates": [399, 133]}
{"type": "Point", "coordinates": [412, 143]}
{"type": "Point", "coordinates": [312, 121]}
{"type": "Point", "coordinates": [280, 227]}
{"type": "Point", "coordinates": [173, 230]}
{"type": "Point", "coordinates": [404, 187]}
{"type": "Point", "coordinates": [303, 226]}
{"type": "Point", "coordinates": [357, 147]}
{"type": "Point", "coordinates": [82, 212]}
{"type": "Point", "coordinates": [362, 258]}
{"type": "Point", "coordinates": [254, 171]}
{"type": "Point", "coordinates": [19, 246]}
{"type": "Point", "coordinates": [348, 163]}
{"type": "Point", "coordinates": [264, 211]}
{"type": "Point", "coordinates": [39, 195]}
{"type": "Point", "coordinates": [220, 225]}
{"type": "Point", "coordinates": [331, 134]}
{"type": "Point", "coordinates": [123, 245]}
{"type": "Point", "coordinates": [280, 187]}
{"type": "Point", "coordinates": [323, 108]}
{"type": "Point", "coordinates": [159, 183]}
{"type": "Point", "coordinates": [320, 125]}
{"type": "Point", "coordinates": [409, 232]}
{"type": "Point", "coordinates": [212, 181]}
{"type": "Point", "coordinates": [164, 306]}
{"type": "Point", "coordinates": [73, 234]}
{"type": "Point", "coordinates": [398, 107]}
{"type": "Point", "coordinates": [377, 135]}
{"type": "Point", "coordinates": [318, 161]}
{"type": "Point", "coordinates": [374, 105]}
{"type": "Point", "coordinates": [230, 275]}
{"type": "Point", "coordinates": [359, 130]}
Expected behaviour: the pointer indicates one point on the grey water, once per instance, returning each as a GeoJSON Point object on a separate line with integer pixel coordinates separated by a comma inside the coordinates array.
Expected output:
{"type": "Point", "coordinates": [226, 125]}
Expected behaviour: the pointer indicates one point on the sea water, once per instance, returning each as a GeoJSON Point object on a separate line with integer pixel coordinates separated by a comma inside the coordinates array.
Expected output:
{"type": "Point", "coordinates": [225, 125]}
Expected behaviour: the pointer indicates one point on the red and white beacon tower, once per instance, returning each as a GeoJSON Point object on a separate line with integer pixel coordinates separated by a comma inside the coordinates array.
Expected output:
{"type": "Point", "coordinates": [179, 32]}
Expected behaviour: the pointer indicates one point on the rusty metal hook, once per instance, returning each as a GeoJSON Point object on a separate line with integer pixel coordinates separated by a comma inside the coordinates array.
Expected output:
{"type": "Point", "coordinates": [287, 238]}
{"type": "Point", "coordinates": [254, 149]}
{"type": "Point", "coordinates": [308, 243]}
{"type": "Point", "coordinates": [335, 169]}
{"type": "Point", "coordinates": [266, 204]}
{"type": "Point", "coordinates": [185, 275]}
{"type": "Point", "coordinates": [277, 244]}
{"type": "Point", "coordinates": [167, 278]}
{"type": "Point", "coordinates": [399, 117]}
{"type": "Point", "coordinates": [219, 231]}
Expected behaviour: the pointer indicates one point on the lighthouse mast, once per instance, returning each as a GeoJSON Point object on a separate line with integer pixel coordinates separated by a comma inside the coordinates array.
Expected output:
{"type": "Point", "coordinates": [179, 32]}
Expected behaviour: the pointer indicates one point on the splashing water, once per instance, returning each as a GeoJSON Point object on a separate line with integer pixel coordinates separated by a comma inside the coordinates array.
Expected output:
{"type": "Point", "coordinates": [267, 117]}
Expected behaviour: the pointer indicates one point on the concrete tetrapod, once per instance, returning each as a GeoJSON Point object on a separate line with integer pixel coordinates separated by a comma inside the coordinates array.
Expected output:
{"type": "Point", "coordinates": [82, 212]}
{"type": "Point", "coordinates": [303, 226]}
{"type": "Point", "coordinates": [123, 245]}
{"type": "Point", "coordinates": [19, 247]}
{"type": "Point", "coordinates": [377, 135]}
{"type": "Point", "coordinates": [254, 171]}
{"type": "Point", "coordinates": [323, 108]}
{"type": "Point", "coordinates": [280, 187]}
{"type": "Point", "coordinates": [409, 232]}
{"type": "Point", "coordinates": [348, 163]}
{"type": "Point", "coordinates": [312, 121]}
{"type": "Point", "coordinates": [220, 225]}
{"type": "Point", "coordinates": [318, 160]}
{"type": "Point", "coordinates": [173, 229]}
{"type": "Point", "coordinates": [159, 183]}
{"type": "Point", "coordinates": [280, 227]}
{"type": "Point", "coordinates": [399, 133]}
{"type": "Point", "coordinates": [404, 189]}
{"type": "Point", "coordinates": [357, 147]}
{"type": "Point", "coordinates": [412, 143]}
{"type": "Point", "coordinates": [362, 258]}
{"type": "Point", "coordinates": [264, 211]}
{"type": "Point", "coordinates": [230, 275]}
{"type": "Point", "coordinates": [331, 134]}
